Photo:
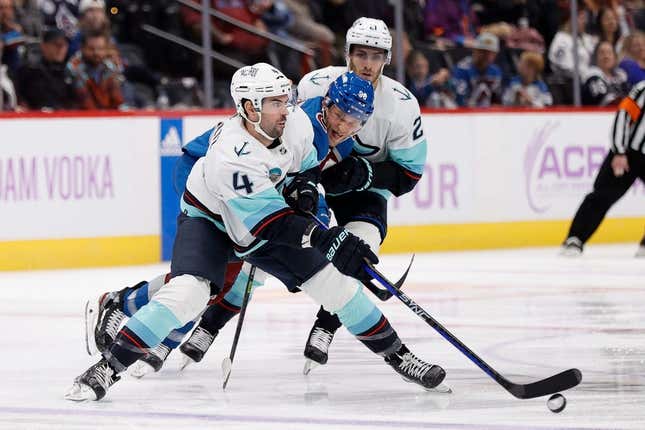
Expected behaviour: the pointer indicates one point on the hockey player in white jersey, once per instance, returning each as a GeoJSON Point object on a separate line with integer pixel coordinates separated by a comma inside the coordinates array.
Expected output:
{"type": "Point", "coordinates": [390, 154]}
{"type": "Point", "coordinates": [232, 206]}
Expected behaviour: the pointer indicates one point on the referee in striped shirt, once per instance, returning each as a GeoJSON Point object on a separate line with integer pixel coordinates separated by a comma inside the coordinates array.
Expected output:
{"type": "Point", "coordinates": [624, 163]}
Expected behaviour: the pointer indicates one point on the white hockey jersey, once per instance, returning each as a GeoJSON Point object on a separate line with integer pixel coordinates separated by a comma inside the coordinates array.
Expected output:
{"type": "Point", "coordinates": [236, 185]}
{"type": "Point", "coordinates": [393, 132]}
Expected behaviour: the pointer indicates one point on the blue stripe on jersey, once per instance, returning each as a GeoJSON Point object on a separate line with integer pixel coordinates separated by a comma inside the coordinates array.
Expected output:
{"type": "Point", "coordinates": [359, 314]}
{"type": "Point", "coordinates": [310, 161]}
{"type": "Point", "coordinates": [175, 337]}
{"type": "Point", "coordinates": [140, 299]}
{"type": "Point", "coordinates": [413, 159]}
{"type": "Point", "coordinates": [236, 294]}
{"type": "Point", "coordinates": [257, 208]}
{"type": "Point", "coordinates": [194, 212]}
{"type": "Point", "coordinates": [153, 322]}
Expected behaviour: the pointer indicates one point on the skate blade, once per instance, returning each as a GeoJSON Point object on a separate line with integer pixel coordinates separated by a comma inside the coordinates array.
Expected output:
{"type": "Point", "coordinates": [91, 319]}
{"type": "Point", "coordinates": [185, 362]}
{"type": "Point", "coordinates": [309, 366]}
{"type": "Point", "coordinates": [441, 389]}
{"type": "Point", "coordinates": [570, 253]}
{"type": "Point", "coordinates": [141, 369]}
{"type": "Point", "coordinates": [80, 393]}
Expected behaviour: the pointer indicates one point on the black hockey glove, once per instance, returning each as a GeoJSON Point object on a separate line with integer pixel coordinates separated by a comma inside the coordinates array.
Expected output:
{"type": "Point", "coordinates": [302, 195]}
{"type": "Point", "coordinates": [351, 174]}
{"type": "Point", "coordinates": [346, 251]}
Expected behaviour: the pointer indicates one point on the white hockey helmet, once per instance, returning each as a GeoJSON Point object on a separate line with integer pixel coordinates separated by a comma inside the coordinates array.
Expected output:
{"type": "Point", "coordinates": [369, 32]}
{"type": "Point", "coordinates": [257, 82]}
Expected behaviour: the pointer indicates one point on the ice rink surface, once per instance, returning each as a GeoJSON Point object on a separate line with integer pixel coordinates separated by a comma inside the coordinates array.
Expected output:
{"type": "Point", "coordinates": [528, 313]}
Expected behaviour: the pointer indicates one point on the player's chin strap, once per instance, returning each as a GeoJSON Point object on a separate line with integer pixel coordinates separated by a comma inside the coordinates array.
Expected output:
{"type": "Point", "coordinates": [256, 125]}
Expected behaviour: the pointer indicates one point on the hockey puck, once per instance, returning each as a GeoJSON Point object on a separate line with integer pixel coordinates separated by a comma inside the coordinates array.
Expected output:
{"type": "Point", "coordinates": [556, 403]}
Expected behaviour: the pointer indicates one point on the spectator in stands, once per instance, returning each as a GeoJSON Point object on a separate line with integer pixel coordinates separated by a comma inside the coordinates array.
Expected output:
{"type": "Point", "coordinates": [42, 81]}
{"type": "Point", "coordinates": [7, 92]}
{"type": "Point", "coordinates": [92, 19]}
{"type": "Point", "coordinates": [229, 39]}
{"type": "Point", "coordinates": [561, 49]}
{"type": "Point", "coordinates": [431, 90]}
{"type": "Point", "coordinates": [305, 28]}
{"type": "Point", "coordinates": [527, 89]}
{"type": "Point", "coordinates": [633, 58]}
{"type": "Point", "coordinates": [476, 80]}
{"type": "Point", "coordinates": [11, 37]}
{"type": "Point", "coordinates": [609, 28]}
{"type": "Point", "coordinates": [605, 83]}
{"type": "Point", "coordinates": [449, 22]}
{"type": "Point", "coordinates": [62, 14]}
{"type": "Point", "coordinates": [96, 80]}
{"type": "Point", "coordinates": [29, 17]}
{"type": "Point", "coordinates": [593, 10]}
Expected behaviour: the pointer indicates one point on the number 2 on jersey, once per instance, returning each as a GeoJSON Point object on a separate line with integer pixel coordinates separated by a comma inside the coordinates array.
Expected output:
{"type": "Point", "coordinates": [246, 185]}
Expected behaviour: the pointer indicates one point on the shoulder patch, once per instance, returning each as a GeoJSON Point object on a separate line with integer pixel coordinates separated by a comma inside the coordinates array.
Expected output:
{"type": "Point", "coordinates": [317, 76]}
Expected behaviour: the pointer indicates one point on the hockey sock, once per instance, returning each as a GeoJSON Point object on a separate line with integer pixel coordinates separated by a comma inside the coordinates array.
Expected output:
{"type": "Point", "coordinates": [217, 315]}
{"type": "Point", "coordinates": [365, 321]}
{"type": "Point", "coordinates": [327, 320]}
{"type": "Point", "coordinates": [175, 337]}
{"type": "Point", "coordinates": [125, 350]}
{"type": "Point", "coordinates": [139, 295]}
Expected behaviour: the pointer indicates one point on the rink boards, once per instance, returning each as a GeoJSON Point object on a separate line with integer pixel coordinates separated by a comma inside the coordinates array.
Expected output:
{"type": "Point", "coordinates": [90, 190]}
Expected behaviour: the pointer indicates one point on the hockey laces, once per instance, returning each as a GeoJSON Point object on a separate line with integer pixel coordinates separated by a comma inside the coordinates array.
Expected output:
{"type": "Point", "coordinates": [320, 339]}
{"type": "Point", "coordinates": [201, 338]}
{"type": "Point", "coordinates": [113, 322]}
{"type": "Point", "coordinates": [103, 375]}
{"type": "Point", "coordinates": [161, 351]}
{"type": "Point", "coordinates": [414, 366]}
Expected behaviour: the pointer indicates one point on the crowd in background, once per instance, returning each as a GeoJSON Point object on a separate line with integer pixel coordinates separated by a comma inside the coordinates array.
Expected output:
{"type": "Point", "coordinates": [94, 54]}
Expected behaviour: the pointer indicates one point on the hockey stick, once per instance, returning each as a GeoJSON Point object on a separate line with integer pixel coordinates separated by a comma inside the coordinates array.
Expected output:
{"type": "Point", "coordinates": [553, 384]}
{"type": "Point", "coordinates": [227, 364]}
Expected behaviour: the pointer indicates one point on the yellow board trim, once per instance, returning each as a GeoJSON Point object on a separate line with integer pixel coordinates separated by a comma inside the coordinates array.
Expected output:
{"type": "Point", "coordinates": [73, 253]}
{"type": "Point", "coordinates": [452, 237]}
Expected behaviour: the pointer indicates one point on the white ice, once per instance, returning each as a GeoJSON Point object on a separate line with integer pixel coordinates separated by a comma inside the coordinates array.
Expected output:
{"type": "Point", "coordinates": [528, 313]}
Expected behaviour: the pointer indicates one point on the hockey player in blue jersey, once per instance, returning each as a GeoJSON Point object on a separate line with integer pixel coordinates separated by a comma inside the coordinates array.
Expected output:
{"type": "Point", "coordinates": [232, 206]}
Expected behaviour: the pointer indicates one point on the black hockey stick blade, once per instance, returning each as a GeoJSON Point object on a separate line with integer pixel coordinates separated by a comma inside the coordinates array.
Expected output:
{"type": "Point", "coordinates": [400, 282]}
{"type": "Point", "coordinates": [553, 384]}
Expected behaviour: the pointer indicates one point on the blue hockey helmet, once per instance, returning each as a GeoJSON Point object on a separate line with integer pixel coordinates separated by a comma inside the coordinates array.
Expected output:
{"type": "Point", "coordinates": [352, 95]}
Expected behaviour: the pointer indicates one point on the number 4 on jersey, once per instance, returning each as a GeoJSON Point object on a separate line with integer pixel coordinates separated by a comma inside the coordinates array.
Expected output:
{"type": "Point", "coordinates": [246, 184]}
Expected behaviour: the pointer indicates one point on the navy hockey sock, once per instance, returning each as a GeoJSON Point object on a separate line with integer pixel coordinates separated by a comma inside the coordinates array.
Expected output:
{"type": "Point", "coordinates": [125, 350]}
{"type": "Point", "coordinates": [381, 338]}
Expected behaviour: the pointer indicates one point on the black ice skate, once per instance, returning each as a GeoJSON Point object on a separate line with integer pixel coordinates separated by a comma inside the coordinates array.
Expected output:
{"type": "Point", "coordinates": [572, 247]}
{"type": "Point", "coordinates": [103, 317]}
{"type": "Point", "coordinates": [413, 369]}
{"type": "Point", "coordinates": [317, 347]}
{"type": "Point", "coordinates": [94, 383]}
{"type": "Point", "coordinates": [151, 362]}
{"type": "Point", "coordinates": [196, 346]}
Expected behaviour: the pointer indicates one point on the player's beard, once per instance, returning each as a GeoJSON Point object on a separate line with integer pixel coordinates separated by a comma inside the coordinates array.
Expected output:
{"type": "Point", "coordinates": [277, 130]}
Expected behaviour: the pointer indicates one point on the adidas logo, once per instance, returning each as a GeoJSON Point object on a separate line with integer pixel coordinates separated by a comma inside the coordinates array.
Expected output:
{"type": "Point", "coordinates": [171, 143]}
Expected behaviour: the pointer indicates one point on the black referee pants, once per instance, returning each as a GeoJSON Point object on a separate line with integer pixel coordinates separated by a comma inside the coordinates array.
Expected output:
{"type": "Point", "coordinates": [607, 190]}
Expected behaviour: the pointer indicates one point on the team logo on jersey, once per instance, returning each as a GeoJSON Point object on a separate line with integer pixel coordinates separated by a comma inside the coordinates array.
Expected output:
{"type": "Point", "coordinates": [404, 93]}
{"type": "Point", "coordinates": [275, 174]}
{"type": "Point", "coordinates": [241, 151]}
{"type": "Point", "coordinates": [315, 78]}
{"type": "Point", "coordinates": [363, 148]}
{"type": "Point", "coordinates": [282, 150]}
